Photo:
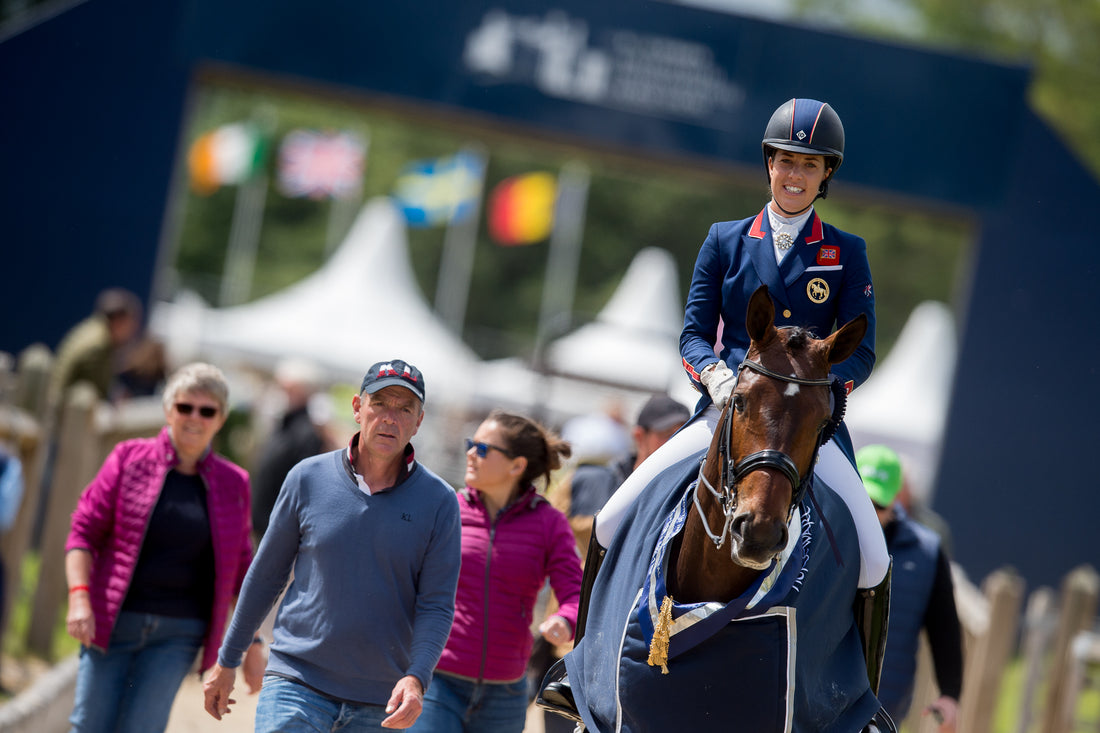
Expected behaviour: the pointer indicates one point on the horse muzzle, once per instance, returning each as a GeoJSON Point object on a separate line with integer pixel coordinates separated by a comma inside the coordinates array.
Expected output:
{"type": "Point", "coordinates": [757, 539]}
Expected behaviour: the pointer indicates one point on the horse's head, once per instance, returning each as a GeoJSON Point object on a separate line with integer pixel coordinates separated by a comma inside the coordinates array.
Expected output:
{"type": "Point", "coordinates": [772, 426]}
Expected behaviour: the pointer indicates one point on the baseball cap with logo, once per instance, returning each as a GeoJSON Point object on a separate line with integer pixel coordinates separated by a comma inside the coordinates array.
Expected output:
{"type": "Point", "coordinates": [390, 373]}
{"type": "Point", "coordinates": [661, 412]}
{"type": "Point", "coordinates": [880, 468]}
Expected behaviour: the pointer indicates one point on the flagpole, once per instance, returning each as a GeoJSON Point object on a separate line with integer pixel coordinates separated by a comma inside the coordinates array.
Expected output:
{"type": "Point", "coordinates": [456, 266]}
{"type": "Point", "coordinates": [563, 262]}
{"type": "Point", "coordinates": [244, 230]}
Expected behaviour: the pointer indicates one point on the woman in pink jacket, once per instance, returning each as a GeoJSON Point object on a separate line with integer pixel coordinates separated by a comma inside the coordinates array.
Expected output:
{"type": "Point", "coordinates": [158, 548]}
{"type": "Point", "coordinates": [512, 541]}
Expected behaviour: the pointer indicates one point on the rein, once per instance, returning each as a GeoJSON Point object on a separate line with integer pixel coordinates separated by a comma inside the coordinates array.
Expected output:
{"type": "Point", "coordinates": [726, 493]}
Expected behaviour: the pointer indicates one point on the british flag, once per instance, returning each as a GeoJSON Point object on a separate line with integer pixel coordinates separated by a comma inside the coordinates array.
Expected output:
{"type": "Point", "coordinates": [321, 164]}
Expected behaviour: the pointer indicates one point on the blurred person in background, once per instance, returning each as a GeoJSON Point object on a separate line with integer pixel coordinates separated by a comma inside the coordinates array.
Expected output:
{"type": "Point", "coordinates": [923, 597]}
{"type": "Point", "coordinates": [93, 350]}
{"type": "Point", "coordinates": [374, 541]}
{"type": "Point", "coordinates": [158, 548]}
{"type": "Point", "coordinates": [513, 540]}
{"type": "Point", "coordinates": [591, 485]}
{"type": "Point", "coordinates": [296, 436]}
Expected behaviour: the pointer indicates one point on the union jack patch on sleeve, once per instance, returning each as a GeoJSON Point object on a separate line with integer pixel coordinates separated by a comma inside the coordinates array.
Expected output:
{"type": "Point", "coordinates": [867, 291]}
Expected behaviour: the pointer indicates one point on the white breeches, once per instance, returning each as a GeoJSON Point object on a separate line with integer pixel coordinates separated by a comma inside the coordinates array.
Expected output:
{"type": "Point", "coordinates": [833, 467]}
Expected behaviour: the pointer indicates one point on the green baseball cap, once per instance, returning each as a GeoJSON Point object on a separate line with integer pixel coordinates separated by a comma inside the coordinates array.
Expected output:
{"type": "Point", "coordinates": [880, 468]}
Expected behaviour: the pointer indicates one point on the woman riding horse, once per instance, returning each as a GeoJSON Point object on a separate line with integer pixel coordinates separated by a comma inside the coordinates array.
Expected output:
{"type": "Point", "coordinates": [745, 567]}
{"type": "Point", "coordinates": [820, 277]}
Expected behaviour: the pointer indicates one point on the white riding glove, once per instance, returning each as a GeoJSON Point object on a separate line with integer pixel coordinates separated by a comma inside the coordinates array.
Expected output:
{"type": "Point", "coordinates": [719, 380]}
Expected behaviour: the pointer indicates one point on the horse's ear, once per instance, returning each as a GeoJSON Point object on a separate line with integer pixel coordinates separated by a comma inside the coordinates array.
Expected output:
{"type": "Point", "coordinates": [846, 339]}
{"type": "Point", "coordinates": [760, 317]}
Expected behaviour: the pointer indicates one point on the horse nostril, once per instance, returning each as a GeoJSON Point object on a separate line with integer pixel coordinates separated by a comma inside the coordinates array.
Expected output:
{"type": "Point", "coordinates": [737, 526]}
{"type": "Point", "coordinates": [761, 533]}
{"type": "Point", "coordinates": [782, 539]}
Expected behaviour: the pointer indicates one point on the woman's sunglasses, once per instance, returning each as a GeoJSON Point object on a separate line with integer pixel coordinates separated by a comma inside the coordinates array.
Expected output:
{"type": "Point", "coordinates": [484, 448]}
{"type": "Point", "coordinates": [206, 411]}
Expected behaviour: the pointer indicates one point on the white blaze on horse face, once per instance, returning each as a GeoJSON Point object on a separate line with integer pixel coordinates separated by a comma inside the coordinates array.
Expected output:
{"type": "Point", "coordinates": [792, 389]}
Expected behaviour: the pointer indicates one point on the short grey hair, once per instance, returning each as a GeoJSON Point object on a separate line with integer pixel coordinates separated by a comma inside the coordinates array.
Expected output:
{"type": "Point", "coordinates": [198, 377]}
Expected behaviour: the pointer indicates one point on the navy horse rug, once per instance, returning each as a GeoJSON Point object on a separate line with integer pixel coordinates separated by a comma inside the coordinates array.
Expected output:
{"type": "Point", "coordinates": [784, 657]}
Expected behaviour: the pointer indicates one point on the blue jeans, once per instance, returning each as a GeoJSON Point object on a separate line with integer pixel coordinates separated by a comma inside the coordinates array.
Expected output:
{"type": "Point", "coordinates": [131, 687]}
{"type": "Point", "coordinates": [455, 705]}
{"type": "Point", "coordinates": [286, 706]}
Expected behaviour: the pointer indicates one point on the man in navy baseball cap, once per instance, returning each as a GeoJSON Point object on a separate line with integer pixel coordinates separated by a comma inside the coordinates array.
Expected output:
{"type": "Point", "coordinates": [393, 372]}
{"type": "Point", "coordinates": [374, 502]}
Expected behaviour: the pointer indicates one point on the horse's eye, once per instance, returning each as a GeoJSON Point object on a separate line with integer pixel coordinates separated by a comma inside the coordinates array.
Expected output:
{"type": "Point", "coordinates": [739, 403]}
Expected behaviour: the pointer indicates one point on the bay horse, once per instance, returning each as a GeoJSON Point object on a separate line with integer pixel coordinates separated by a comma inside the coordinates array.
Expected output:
{"type": "Point", "coordinates": [724, 602]}
{"type": "Point", "coordinates": [761, 458]}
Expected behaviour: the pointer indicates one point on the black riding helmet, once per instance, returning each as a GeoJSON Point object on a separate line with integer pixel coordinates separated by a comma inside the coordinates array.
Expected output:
{"type": "Point", "coordinates": [806, 126]}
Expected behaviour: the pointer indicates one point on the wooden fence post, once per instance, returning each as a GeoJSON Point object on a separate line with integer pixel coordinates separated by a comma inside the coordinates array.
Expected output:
{"type": "Point", "coordinates": [1079, 598]}
{"type": "Point", "coordinates": [31, 390]}
{"type": "Point", "coordinates": [1038, 631]}
{"type": "Point", "coordinates": [995, 644]}
{"type": "Point", "coordinates": [73, 468]}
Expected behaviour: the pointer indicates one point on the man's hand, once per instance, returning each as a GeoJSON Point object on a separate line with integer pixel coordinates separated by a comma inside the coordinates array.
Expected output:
{"type": "Point", "coordinates": [719, 380]}
{"type": "Point", "coordinates": [406, 702]}
{"type": "Point", "coordinates": [216, 690]}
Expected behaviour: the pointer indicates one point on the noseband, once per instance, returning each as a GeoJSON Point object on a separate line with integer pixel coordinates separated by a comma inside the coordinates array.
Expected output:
{"type": "Point", "coordinates": [734, 471]}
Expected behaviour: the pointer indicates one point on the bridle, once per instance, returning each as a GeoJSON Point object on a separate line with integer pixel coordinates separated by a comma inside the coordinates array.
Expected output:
{"type": "Point", "coordinates": [734, 471]}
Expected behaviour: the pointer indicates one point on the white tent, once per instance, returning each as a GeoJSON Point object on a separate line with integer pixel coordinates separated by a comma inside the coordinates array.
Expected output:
{"type": "Point", "coordinates": [362, 306]}
{"type": "Point", "coordinates": [628, 352]}
{"type": "Point", "coordinates": [635, 339]}
{"type": "Point", "coordinates": [904, 402]}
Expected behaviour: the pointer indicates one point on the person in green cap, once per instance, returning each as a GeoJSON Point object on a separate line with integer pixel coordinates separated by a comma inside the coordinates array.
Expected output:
{"type": "Point", "coordinates": [922, 596]}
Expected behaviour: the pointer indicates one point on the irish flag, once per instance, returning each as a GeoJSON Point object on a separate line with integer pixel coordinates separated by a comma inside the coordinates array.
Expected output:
{"type": "Point", "coordinates": [521, 208]}
{"type": "Point", "coordinates": [225, 156]}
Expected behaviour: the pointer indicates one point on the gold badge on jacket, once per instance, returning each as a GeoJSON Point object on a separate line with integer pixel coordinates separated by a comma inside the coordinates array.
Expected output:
{"type": "Point", "coordinates": [817, 290]}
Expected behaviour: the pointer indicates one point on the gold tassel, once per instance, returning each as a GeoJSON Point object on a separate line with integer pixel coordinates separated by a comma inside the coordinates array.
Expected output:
{"type": "Point", "coordinates": [658, 648]}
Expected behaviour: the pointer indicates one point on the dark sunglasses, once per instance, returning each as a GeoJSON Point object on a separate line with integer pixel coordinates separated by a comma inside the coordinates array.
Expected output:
{"type": "Point", "coordinates": [206, 411]}
{"type": "Point", "coordinates": [484, 448]}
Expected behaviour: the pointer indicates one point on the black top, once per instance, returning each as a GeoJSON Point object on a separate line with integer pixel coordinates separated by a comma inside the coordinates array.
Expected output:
{"type": "Point", "coordinates": [941, 623]}
{"type": "Point", "coordinates": [175, 571]}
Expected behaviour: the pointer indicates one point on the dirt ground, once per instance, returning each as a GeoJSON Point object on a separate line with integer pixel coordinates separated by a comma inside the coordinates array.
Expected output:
{"type": "Point", "coordinates": [188, 715]}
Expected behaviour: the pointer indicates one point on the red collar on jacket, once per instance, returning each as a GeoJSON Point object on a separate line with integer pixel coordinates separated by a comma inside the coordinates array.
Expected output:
{"type": "Point", "coordinates": [757, 231]}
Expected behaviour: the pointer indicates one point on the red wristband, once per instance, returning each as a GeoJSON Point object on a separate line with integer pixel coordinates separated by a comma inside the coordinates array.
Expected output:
{"type": "Point", "coordinates": [76, 588]}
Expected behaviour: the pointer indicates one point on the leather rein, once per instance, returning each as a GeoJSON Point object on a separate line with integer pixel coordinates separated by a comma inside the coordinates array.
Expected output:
{"type": "Point", "coordinates": [734, 471]}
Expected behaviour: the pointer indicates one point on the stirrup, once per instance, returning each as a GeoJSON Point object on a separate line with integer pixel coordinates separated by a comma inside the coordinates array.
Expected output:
{"type": "Point", "coordinates": [556, 695]}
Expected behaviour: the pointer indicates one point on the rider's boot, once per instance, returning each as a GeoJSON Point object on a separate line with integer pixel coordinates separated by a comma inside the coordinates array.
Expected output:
{"type": "Point", "coordinates": [556, 694]}
{"type": "Point", "coordinates": [872, 612]}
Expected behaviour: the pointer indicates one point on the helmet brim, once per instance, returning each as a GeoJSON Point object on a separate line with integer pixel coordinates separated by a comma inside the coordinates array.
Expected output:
{"type": "Point", "coordinates": [793, 147]}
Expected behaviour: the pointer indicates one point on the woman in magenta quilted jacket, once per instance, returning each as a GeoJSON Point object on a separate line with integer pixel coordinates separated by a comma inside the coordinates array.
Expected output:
{"type": "Point", "coordinates": [512, 541]}
{"type": "Point", "coordinates": [158, 548]}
